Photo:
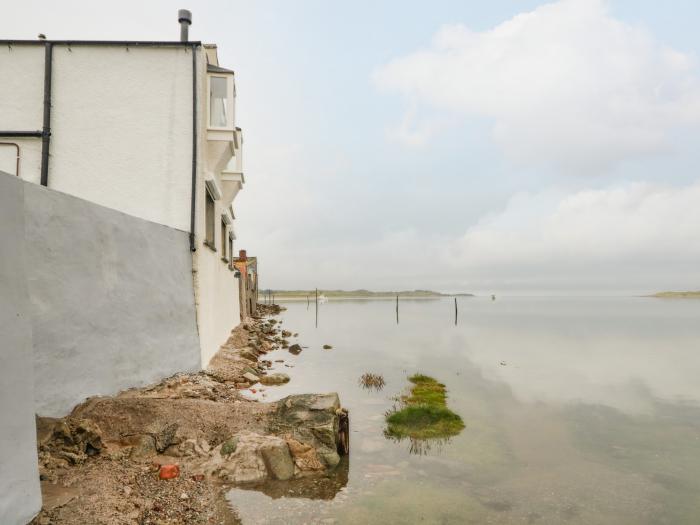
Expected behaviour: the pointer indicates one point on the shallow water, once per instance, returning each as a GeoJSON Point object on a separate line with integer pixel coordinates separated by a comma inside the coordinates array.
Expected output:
{"type": "Point", "coordinates": [577, 410]}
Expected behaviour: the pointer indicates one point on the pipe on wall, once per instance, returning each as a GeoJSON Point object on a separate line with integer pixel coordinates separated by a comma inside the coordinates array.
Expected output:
{"type": "Point", "coordinates": [46, 131]}
{"type": "Point", "coordinates": [193, 246]}
{"type": "Point", "coordinates": [17, 147]}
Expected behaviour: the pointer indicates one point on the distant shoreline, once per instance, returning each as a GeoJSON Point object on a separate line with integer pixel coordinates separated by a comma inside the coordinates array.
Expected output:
{"type": "Point", "coordinates": [360, 294]}
{"type": "Point", "coordinates": [677, 295]}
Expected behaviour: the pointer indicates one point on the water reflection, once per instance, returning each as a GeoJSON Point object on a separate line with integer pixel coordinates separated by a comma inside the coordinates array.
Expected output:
{"type": "Point", "coordinates": [420, 447]}
{"type": "Point", "coordinates": [324, 487]}
{"type": "Point", "coordinates": [594, 418]}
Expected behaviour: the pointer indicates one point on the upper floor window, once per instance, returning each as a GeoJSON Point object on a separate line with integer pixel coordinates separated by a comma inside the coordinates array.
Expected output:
{"type": "Point", "coordinates": [219, 110]}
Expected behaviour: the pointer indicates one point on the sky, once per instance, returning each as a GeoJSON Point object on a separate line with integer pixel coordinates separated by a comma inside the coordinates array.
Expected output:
{"type": "Point", "coordinates": [511, 146]}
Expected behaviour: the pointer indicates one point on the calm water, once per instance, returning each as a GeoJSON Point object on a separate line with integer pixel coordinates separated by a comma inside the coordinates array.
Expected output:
{"type": "Point", "coordinates": [578, 411]}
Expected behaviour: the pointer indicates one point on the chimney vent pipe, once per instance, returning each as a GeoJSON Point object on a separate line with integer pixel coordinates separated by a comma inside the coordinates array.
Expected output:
{"type": "Point", "coordinates": [184, 16]}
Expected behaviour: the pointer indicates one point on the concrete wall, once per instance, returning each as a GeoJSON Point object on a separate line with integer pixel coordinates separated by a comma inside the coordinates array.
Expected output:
{"type": "Point", "coordinates": [112, 300]}
{"type": "Point", "coordinates": [121, 124]}
{"type": "Point", "coordinates": [20, 497]}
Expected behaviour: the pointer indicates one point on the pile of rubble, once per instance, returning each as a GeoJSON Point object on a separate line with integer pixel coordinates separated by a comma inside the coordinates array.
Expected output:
{"type": "Point", "coordinates": [109, 461]}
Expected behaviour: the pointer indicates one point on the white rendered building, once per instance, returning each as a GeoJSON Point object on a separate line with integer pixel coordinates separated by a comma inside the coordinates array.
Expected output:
{"type": "Point", "coordinates": [145, 128]}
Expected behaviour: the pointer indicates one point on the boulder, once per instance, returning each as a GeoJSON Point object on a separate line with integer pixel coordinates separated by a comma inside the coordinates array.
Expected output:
{"type": "Point", "coordinates": [295, 349]}
{"type": "Point", "coordinates": [274, 379]}
{"type": "Point", "coordinates": [165, 436]}
{"type": "Point", "coordinates": [254, 459]}
{"type": "Point", "coordinates": [142, 447]}
{"type": "Point", "coordinates": [252, 378]}
{"type": "Point", "coordinates": [278, 459]}
{"type": "Point", "coordinates": [311, 419]}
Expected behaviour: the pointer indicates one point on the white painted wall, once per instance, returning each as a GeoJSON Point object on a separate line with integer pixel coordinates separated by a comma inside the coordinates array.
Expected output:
{"type": "Point", "coordinates": [121, 124]}
{"type": "Point", "coordinates": [216, 288]}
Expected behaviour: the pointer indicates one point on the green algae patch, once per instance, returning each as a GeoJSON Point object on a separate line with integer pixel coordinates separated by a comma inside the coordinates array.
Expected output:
{"type": "Point", "coordinates": [423, 413]}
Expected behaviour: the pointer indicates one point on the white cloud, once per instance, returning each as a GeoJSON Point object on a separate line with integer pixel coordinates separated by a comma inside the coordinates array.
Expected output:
{"type": "Point", "coordinates": [634, 238]}
{"type": "Point", "coordinates": [565, 84]}
{"type": "Point", "coordinates": [639, 236]}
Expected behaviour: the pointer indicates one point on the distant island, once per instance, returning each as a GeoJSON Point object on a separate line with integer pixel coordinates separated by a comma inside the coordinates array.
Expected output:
{"type": "Point", "coordinates": [677, 295]}
{"type": "Point", "coordinates": [362, 294]}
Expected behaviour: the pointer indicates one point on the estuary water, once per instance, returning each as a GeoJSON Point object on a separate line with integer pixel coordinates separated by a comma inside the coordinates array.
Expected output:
{"type": "Point", "coordinates": [576, 410]}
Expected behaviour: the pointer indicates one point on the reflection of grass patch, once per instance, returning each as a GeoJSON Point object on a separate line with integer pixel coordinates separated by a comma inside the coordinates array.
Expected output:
{"type": "Point", "coordinates": [424, 414]}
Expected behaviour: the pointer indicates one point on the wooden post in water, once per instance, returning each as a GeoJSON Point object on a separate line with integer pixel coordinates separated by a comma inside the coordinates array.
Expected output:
{"type": "Point", "coordinates": [455, 311]}
{"type": "Point", "coordinates": [307, 301]}
{"type": "Point", "coordinates": [316, 307]}
{"type": "Point", "coordinates": [397, 309]}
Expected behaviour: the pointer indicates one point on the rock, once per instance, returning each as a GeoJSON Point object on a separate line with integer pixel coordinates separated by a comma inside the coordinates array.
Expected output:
{"type": "Point", "coordinates": [305, 456]}
{"type": "Point", "coordinates": [143, 446]}
{"type": "Point", "coordinates": [295, 349]}
{"type": "Point", "coordinates": [165, 437]}
{"type": "Point", "coordinates": [286, 333]}
{"type": "Point", "coordinates": [249, 370]}
{"type": "Point", "coordinates": [169, 471]}
{"type": "Point", "coordinates": [274, 379]}
{"type": "Point", "coordinates": [311, 419]}
{"type": "Point", "coordinates": [184, 496]}
{"type": "Point", "coordinates": [248, 354]}
{"type": "Point", "coordinates": [229, 447]}
{"type": "Point", "coordinates": [245, 465]}
{"type": "Point", "coordinates": [252, 378]}
{"type": "Point", "coordinates": [278, 460]}
{"type": "Point", "coordinates": [327, 347]}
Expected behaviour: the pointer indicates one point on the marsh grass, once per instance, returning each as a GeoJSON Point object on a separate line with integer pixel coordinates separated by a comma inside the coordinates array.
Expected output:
{"type": "Point", "coordinates": [372, 381]}
{"type": "Point", "coordinates": [423, 413]}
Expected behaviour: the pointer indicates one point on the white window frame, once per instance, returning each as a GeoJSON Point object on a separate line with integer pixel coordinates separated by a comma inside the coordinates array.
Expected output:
{"type": "Point", "coordinates": [229, 102]}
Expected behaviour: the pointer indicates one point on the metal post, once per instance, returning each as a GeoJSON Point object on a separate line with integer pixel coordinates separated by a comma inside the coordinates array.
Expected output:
{"type": "Point", "coordinates": [455, 311]}
{"type": "Point", "coordinates": [397, 309]}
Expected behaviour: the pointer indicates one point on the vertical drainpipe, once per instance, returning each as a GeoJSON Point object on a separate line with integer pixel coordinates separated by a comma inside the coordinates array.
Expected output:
{"type": "Point", "coordinates": [193, 246]}
{"type": "Point", "coordinates": [46, 130]}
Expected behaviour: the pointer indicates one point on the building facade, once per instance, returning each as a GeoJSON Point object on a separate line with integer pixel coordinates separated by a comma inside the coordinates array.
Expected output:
{"type": "Point", "coordinates": [119, 166]}
{"type": "Point", "coordinates": [145, 128]}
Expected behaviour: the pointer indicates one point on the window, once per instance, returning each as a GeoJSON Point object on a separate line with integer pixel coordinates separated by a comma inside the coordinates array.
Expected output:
{"type": "Point", "coordinates": [223, 240]}
{"type": "Point", "coordinates": [218, 102]}
{"type": "Point", "coordinates": [230, 250]}
{"type": "Point", "coordinates": [209, 215]}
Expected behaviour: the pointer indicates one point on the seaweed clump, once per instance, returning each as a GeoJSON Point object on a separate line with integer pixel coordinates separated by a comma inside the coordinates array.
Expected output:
{"type": "Point", "coordinates": [423, 413]}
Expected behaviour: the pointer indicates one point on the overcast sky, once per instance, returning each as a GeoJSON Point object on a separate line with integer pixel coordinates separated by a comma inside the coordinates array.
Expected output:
{"type": "Point", "coordinates": [509, 146]}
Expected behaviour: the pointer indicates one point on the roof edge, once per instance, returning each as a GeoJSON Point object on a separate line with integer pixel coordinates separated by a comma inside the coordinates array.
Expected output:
{"type": "Point", "coordinates": [135, 43]}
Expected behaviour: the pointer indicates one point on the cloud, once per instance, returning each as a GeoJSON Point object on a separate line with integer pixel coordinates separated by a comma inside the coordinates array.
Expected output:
{"type": "Point", "coordinates": [565, 85]}
{"type": "Point", "coordinates": [637, 236]}
{"type": "Point", "coordinates": [634, 238]}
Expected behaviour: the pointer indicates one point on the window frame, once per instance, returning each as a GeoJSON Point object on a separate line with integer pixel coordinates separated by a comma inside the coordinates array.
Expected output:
{"type": "Point", "coordinates": [229, 101]}
{"type": "Point", "coordinates": [209, 220]}
{"type": "Point", "coordinates": [223, 235]}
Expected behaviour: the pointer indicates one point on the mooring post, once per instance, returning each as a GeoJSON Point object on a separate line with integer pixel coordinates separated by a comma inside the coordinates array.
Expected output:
{"type": "Point", "coordinates": [455, 311]}
{"type": "Point", "coordinates": [316, 307]}
{"type": "Point", "coordinates": [397, 309]}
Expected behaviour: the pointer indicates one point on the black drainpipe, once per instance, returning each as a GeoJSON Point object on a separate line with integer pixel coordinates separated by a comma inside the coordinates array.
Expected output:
{"type": "Point", "coordinates": [46, 131]}
{"type": "Point", "coordinates": [193, 246]}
